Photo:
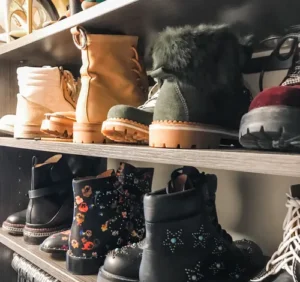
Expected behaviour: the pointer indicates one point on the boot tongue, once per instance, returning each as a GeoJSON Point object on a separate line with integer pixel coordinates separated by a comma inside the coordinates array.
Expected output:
{"type": "Point", "coordinates": [295, 191]}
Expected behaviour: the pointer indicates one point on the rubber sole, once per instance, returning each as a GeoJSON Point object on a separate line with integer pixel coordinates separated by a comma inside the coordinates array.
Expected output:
{"type": "Point", "coordinates": [57, 126]}
{"type": "Point", "coordinates": [184, 135]}
{"type": "Point", "coordinates": [104, 276]}
{"type": "Point", "coordinates": [273, 127]}
{"type": "Point", "coordinates": [13, 229]}
{"type": "Point", "coordinates": [28, 132]}
{"type": "Point", "coordinates": [83, 266]}
{"type": "Point", "coordinates": [125, 131]}
{"type": "Point", "coordinates": [88, 133]}
{"type": "Point", "coordinates": [36, 236]}
{"type": "Point", "coordinates": [7, 129]}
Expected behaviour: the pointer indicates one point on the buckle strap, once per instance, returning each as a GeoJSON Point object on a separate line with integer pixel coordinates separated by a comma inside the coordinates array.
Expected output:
{"type": "Point", "coordinates": [53, 189]}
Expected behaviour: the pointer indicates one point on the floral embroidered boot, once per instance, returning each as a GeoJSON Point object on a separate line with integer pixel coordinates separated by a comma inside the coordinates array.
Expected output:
{"type": "Point", "coordinates": [284, 265]}
{"type": "Point", "coordinates": [106, 216]}
{"type": "Point", "coordinates": [181, 237]}
{"type": "Point", "coordinates": [56, 243]}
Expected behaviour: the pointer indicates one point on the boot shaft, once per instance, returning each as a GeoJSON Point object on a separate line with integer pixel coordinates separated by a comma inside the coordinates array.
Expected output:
{"type": "Point", "coordinates": [111, 74]}
{"type": "Point", "coordinates": [47, 87]}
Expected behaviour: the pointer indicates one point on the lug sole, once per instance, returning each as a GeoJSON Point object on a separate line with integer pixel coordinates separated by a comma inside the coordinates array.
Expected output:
{"type": "Point", "coordinates": [58, 127]}
{"type": "Point", "coordinates": [88, 133]}
{"type": "Point", "coordinates": [104, 276]}
{"type": "Point", "coordinates": [183, 135]}
{"type": "Point", "coordinates": [13, 229]}
{"type": "Point", "coordinates": [125, 131]}
{"type": "Point", "coordinates": [28, 132]}
{"type": "Point", "coordinates": [83, 266]}
{"type": "Point", "coordinates": [36, 236]}
{"type": "Point", "coordinates": [273, 127]}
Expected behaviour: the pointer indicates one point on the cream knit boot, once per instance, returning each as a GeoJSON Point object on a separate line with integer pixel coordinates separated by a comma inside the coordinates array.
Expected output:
{"type": "Point", "coordinates": [42, 90]}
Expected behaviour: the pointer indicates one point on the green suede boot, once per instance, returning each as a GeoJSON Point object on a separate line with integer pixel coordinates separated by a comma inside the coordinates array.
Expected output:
{"type": "Point", "coordinates": [90, 3]}
{"type": "Point", "coordinates": [129, 124]}
{"type": "Point", "coordinates": [202, 96]}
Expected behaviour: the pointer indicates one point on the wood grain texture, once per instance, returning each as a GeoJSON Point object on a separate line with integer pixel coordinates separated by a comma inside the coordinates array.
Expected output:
{"type": "Point", "coordinates": [55, 267]}
{"type": "Point", "coordinates": [237, 160]}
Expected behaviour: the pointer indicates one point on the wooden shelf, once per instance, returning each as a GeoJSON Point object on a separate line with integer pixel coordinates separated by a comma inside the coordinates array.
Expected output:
{"type": "Point", "coordinates": [55, 267]}
{"type": "Point", "coordinates": [227, 159]}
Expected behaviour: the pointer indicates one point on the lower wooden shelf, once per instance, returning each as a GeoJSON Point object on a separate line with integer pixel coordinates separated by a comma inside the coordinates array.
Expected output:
{"type": "Point", "coordinates": [55, 267]}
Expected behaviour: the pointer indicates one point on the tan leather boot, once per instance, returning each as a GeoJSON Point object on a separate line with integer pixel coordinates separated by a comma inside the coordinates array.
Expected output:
{"type": "Point", "coordinates": [111, 74]}
{"type": "Point", "coordinates": [42, 90]}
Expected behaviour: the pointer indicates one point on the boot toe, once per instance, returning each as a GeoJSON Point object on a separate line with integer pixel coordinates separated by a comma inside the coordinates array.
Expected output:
{"type": "Point", "coordinates": [130, 113]}
{"type": "Point", "coordinates": [124, 262]}
{"type": "Point", "coordinates": [17, 218]}
{"type": "Point", "coordinates": [56, 243]}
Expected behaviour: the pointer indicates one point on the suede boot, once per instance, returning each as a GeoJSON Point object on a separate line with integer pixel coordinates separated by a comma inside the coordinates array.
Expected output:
{"type": "Point", "coordinates": [42, 90]}
{"type": "Point", "coordinates": [128, 124]}
{"type": "Point", "coordinates": [107, 215]}
{"type": "Point", "coordinates": [15, 223]}
{"type": "Point", "coordinates": [111, 74]}
{"type": "Point", "coordinates": [182, 243]}
{"type": "Point", "coordinates": [123, 264]}
{"type": "Point", "coordinates": [202, 97]}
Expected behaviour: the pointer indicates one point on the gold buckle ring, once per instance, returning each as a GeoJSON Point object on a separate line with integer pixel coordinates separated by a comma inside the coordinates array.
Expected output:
{"type": "Point", "coordinates": [79, 37]}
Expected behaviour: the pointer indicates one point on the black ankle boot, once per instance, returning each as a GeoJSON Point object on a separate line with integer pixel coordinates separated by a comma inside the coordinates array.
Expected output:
{"type": "Point", "coordinates": [123, 264]}
{"type": "Point", "coordinates": [15, 223]}
{"type": "Point", "coordinates": [181, 237]}
{"type": "Point", "coordinates": [50, 207]}
{"type": "Point", "coordinates": [113, 203]}
{"type": "Point", "coordinates": [284, 265]}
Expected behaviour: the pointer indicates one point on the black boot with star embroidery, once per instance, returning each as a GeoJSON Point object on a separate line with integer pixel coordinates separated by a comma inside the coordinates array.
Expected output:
{"type": "Point", "coordinates": [284, 265]}
{"type": "Point", "coordinates": [122, 265]}
{"type": "Point", "coordinates": [183, 244]}
{"type": "Point", "coordinates": [105, 216]}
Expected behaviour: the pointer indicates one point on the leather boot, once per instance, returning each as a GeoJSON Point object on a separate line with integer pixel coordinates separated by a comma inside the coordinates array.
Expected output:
{"type": "Point", "coordinates": [42, 90]}
{"type": "Point", "coordinates": [106, 216]}
{"type": "Point", "coordinates": [111, 74]}
{"type": "Point", "coordinates": [56, 243]}
{"type": "Point", "coordinates": [15, 223]}
{"type": "Point", "coordinates": [123, 264]}
{"type": "Point", "coordinates": [284, 265]}
{"type": "Point", "coordinates": [202, 97]}
{"type": "Point", "coordinates": [180, 236]}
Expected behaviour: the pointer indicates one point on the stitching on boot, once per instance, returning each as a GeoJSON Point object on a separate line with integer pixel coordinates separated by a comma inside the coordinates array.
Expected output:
{"type": "Point", "coordinates": [186, 110]}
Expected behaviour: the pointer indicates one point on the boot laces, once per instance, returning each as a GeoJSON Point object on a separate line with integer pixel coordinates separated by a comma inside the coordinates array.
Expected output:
{"type": "Point", "coordinates": [139, 70]}
{"type": "Point", "coordinates": [287, 253]}
{"type": "Point", "coordinates": [152, 98]}
{"type": "Point", "coordinates": [72, 86]}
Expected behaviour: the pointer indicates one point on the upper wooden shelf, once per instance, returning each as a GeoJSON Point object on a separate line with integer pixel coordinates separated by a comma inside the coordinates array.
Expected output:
{"type": "Point", "coordinates": [225, 159]}
{"type": "Point", "coordinates": [55, 267]}
{"type": "Point", "coordinates": [53, 45]}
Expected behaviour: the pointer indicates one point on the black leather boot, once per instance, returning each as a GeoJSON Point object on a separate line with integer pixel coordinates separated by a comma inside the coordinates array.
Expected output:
{"type": "Point", "coordinates": [123, 264]}
{"type": "Point", "coordinates": [56, 243]}
{"type": "Point", "coordinates": [15, 223]}
{"type": "Point", "coordinates": [284, 265]}
{"type": "Point", "coordinates": [50, 199]}
{"type": "Point", "coordinates": [107, 215]}
{"type": "Point", "coordinates": [183, 244]}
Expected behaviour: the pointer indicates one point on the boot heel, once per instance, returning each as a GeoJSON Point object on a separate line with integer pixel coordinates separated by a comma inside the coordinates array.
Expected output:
{"type": "Point", "coordinates": [57, 126]}
{"type": "Point", "coordinates": [187, 136]}
{"type": "Point", "coordinates": [83, 266]}
{"type": "Point", "coordinates": [29, 118]}
{"type": "Point", "coordinates": [88, 133]}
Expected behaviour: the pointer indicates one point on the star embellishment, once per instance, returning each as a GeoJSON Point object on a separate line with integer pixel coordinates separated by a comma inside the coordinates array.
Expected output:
{"type": "Point", "coordinates": [216, 267]}
{"type": "Point", "coordinates": [173, 240]}
{"type": "Point", "coordinates": [194, 274]}
{"type": "Point", "coordinates": [237, 273]}
{"type": "Point", "coordinates": [220, 247]}
{"type": "Point", "coordinates": [200, 238]}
